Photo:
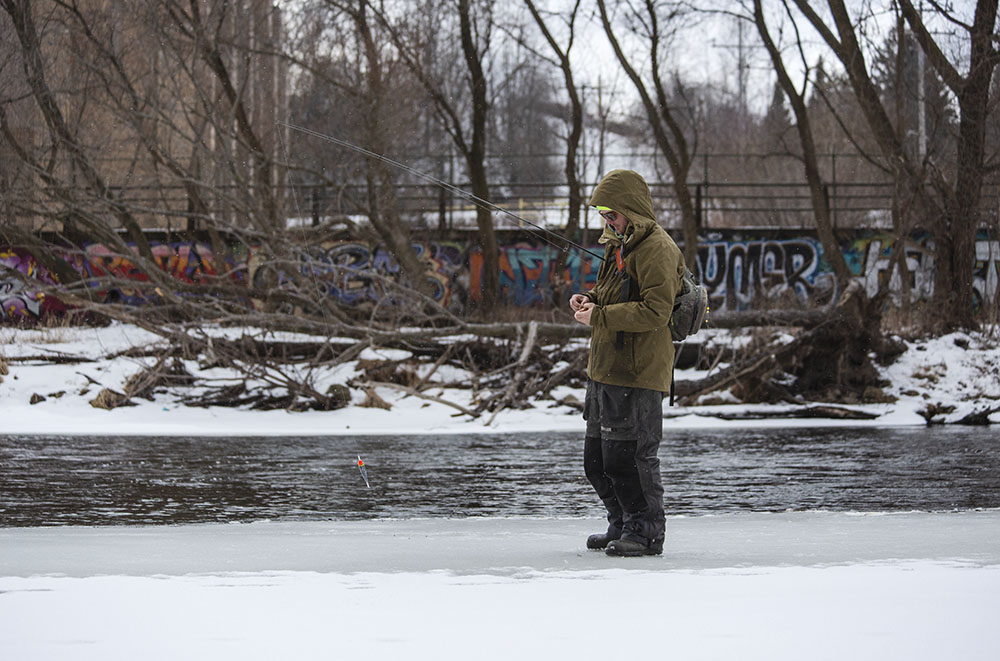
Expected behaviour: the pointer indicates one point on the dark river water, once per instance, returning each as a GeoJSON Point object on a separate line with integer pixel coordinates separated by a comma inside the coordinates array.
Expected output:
{"type": "Point", "coordinates": [142, 480]}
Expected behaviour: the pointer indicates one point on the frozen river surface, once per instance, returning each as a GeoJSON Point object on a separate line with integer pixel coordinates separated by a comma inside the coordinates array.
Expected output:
{"type": "Point", "coordinates": [147, 480]}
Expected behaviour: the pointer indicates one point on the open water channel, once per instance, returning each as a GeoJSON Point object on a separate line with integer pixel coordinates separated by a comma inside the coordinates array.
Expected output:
{"type": "Point", "coordinates": [116, 480]}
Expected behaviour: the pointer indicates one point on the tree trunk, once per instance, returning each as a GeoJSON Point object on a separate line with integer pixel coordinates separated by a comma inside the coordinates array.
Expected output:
{"type": "Point", "coordinates": [270, 220]}
{"type": "Point", "coordinates": [382, 202]}
{"type": "Point", "coordinates": [666, 129]}
{"type": "Point", "coordinates": [476, 161]}
{"type": "Point", "coordinates": [487, 238]}
{"type": "Point", "coordinates": [34, 70]}
{"type": "Point", "coordinates": [817, 194]}
{"type": "Point", "coordinates": [575, 199]}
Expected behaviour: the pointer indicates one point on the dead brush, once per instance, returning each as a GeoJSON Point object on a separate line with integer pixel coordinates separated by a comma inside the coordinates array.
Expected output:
{"type": "Point", "coordinates": [400, 372]}
{"type": "Point", "coordinates": [109, 399]}
{"type": "Point", "coordinates": [514, 314]}
{"type": "Point", "coordinates": [373, 400]}
{"type": "Point", "coordinates": [164, 373]}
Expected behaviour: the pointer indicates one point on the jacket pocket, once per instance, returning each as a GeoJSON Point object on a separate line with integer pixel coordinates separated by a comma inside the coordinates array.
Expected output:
{"type": "Point", "coordinates": [617, 411]}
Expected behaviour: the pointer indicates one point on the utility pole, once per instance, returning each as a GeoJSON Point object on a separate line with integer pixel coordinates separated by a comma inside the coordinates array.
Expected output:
{"type": "Point", "coordinates": [742, 69]}
{"type": "Point", "coordinates": [921, 103]}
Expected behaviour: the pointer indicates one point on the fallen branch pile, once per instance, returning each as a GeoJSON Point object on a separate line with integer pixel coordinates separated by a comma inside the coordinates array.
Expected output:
{"type": "Point", "coordinates": [481, 370]}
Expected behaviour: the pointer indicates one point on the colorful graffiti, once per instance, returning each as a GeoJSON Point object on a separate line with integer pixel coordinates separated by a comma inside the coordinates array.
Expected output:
{"type": "Point", "coordinates": [870, 257]}
{"type": "Point", "coordinates": [738, 269]}
{"type": "Point", "coordinates": [738, 272]}
{"type": "Point", "coordinates": [527, 272]}
{"type": "Point", "coordinates": [355, 272]}
{"type": "Point", "coordinates": [190, 262]}
{"type": "Point", "coordinates": [17, 301]}
{"type": "Point", "coordinates": [186, 261]}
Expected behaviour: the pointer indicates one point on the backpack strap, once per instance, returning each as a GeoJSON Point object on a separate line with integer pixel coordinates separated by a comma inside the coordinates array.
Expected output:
{"type": "Point", "coordinates": [626, 290]}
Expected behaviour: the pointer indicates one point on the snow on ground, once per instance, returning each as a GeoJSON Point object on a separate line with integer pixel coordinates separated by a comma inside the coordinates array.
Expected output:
{"type": "Point", "coordinates": [813, 585]}
{"type": "Point", "coordinates": [957, 369]}
{"type": "Point", "coordinates": [956, 374]}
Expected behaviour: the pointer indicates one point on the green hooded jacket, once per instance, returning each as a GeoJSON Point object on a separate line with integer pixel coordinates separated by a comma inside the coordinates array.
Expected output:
{"type": "Point", "coordinates": [630, 343]}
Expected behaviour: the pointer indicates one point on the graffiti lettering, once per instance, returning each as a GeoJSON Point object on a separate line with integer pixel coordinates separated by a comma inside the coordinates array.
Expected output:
{"type": "Point", "coordinates": [527, 272]}
{"type": "Point", "coordinates": [871, 258]}
{"type": "Point", "coordinates": [17, 301]}
{"type": "Point", "coordinates": [875, 264]}
{"type": "Point", "coordinates": [986, 274]}
{"type": "Point", "coordinates": [346, 271]}
{"type": "Point", "coordinates": [737, 273]}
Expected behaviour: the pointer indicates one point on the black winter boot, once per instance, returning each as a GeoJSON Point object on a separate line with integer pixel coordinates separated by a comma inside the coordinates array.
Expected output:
{"type": "Point", "coordinates": [601, 540]}
{"type": "Point", "coordinates": [629, 548]}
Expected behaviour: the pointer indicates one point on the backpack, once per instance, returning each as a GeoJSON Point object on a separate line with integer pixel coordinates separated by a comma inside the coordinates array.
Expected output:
{"type": "Point", "coordinates": [690, 312]}
{"type": "Point", "coordinates": [690, 308]}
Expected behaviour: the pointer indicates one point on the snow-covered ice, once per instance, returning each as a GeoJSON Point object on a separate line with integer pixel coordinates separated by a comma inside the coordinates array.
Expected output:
{"type": "Point", "coordinates": [814, 585]}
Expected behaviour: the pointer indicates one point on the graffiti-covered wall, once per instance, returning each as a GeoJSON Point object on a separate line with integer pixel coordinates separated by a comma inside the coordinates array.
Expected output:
{"type": "Point", "coordinates": [18, 299]}
{"type": "Point", "coordinates": [187, 261]}
{"type": "Point", "coordinates": [355, 272]}
{"type": "Point", "coordinates": [740, 269]}
{"type": "Point", "coordinates": [869, 255]}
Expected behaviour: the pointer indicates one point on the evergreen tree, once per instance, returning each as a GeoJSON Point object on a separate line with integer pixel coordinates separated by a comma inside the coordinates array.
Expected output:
{"type": "Point", "coordinates": [777, 122]}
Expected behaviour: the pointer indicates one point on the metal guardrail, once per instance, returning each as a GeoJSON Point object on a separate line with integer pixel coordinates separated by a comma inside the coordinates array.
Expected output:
{"type": "Point", "coordinates": [721, 205]}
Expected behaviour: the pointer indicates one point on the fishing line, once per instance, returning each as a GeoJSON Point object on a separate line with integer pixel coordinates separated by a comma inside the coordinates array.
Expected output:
{"type": "Point", "coordinates": [449, 187]}
{"type": "Point", "coordinates": [284, 151]}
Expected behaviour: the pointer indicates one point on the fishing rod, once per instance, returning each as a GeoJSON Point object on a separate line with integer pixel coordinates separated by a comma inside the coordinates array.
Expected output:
{"type": "Point", "coordinates": [443, 184]}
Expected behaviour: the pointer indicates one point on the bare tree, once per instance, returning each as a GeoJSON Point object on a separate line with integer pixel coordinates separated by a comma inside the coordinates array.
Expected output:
{"type": "Point", "coordinates": [810, 159]}
{"type": "Point", "coordinates": [62, 138]}
{"type": "Point", "coordinates": [468, 133]}
{"type": "Point", "coordinates": [183, 115]}
{"type": "Point", "coordinates": [374, 96]}
{"type": "Point", "coordinates": [664, 118]}
{"type": "Point", "coordinates": [562, 60]}
{"type": "Point", "coordinates": [963, 196]}
{"type": "Point", "coordinates": [950, 201]}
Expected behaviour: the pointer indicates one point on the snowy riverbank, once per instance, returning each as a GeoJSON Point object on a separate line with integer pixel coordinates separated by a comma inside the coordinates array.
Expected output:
{"type": "Point", "coordinates": [953, 375]}
{"type": "Point", "coordinates": [745, 586]}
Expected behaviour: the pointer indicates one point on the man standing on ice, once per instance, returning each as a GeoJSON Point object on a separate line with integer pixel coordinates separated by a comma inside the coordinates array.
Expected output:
{"type": "Point", "coordinates": [630, 366]}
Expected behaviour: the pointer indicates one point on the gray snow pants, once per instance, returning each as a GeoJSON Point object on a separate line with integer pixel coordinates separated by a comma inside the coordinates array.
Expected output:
{"type": "Point", "coordinates": [624, 429]}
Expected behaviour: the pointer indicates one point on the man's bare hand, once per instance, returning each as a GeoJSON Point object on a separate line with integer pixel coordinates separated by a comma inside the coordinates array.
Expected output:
{"type": "Point", "coordinates": [583, 314]}
{"type": "Point", "coordinates": [577, 301]}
